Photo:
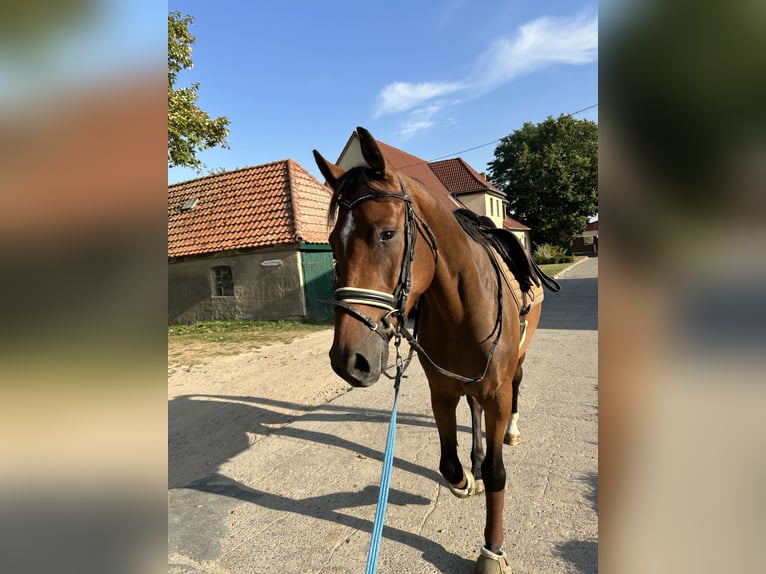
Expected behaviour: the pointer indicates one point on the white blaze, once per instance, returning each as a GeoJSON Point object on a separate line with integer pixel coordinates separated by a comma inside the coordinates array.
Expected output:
{"type": "Point", "coordinates": [348, 228]}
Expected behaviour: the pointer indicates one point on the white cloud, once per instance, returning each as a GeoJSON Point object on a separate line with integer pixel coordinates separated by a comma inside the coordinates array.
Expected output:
{"type": "Point", "coordinates": [537, 44]}
{"type": "Point", "coordinates": [420, 119]}
{"type": "Point", "coordinates": [401, 96]}
{"type": "Point", "coordinates": [412, 126]}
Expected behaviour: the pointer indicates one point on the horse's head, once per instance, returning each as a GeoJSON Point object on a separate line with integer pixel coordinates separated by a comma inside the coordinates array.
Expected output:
{"type": "Point", "coordinates": [377, 276]}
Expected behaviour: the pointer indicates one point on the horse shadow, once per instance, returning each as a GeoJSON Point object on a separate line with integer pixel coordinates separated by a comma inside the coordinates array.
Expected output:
{"type": "Point", "coordinates": [326, 507]}
{"type": "Point", "coordinates": [204, 431]}
{"type": "Point", "coordinates": [583, 554]}
{"type": "Point", "coordinates": [224, 426]}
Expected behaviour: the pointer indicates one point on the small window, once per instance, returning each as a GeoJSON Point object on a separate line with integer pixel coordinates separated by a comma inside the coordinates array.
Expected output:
{"type": "Point", "coordinates": [223, 281]}
{"type": "Point", "coordinates": [189, 204]}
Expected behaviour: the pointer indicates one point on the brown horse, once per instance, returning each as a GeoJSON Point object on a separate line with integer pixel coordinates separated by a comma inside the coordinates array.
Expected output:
{"type": "Point", "coordinates": [395, 244]}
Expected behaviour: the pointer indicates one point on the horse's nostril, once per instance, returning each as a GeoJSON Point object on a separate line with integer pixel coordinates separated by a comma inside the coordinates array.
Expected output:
{"type": "Point", "coordinates": [361, 364]}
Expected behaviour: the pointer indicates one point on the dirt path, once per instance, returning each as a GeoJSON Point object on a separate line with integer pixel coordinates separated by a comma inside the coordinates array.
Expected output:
{"type": "Point", "coordinates": [273, 385]}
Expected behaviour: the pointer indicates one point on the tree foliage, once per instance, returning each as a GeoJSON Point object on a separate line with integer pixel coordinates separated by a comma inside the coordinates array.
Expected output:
{"type": "Point", "coordinates": [190, 129]}
{"type": "Point", "coordinates": [549, 171]}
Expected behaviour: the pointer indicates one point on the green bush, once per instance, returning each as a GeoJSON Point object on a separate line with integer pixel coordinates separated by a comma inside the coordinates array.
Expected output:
{"type": "Point", "coordinates": [548, 253]}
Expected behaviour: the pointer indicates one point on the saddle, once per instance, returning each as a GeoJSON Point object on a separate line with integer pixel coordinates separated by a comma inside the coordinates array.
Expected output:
{"type": "Point", "coordinates": [483, 230]}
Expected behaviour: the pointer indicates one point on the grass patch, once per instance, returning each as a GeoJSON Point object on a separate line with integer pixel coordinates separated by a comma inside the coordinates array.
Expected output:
{"type": "Point", "coordinates": [264, 332]}
{"type": "Point", "coordinates": [190, 344]}
{"type": "Point", "coordinates": [553, 268]}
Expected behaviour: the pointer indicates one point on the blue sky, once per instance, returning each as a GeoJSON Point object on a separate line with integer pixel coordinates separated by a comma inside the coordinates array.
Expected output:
{"type": "Point", "coordinates": [431, 78]}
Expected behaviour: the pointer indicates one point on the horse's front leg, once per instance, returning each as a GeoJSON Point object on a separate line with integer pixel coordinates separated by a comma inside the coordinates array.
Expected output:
{"type": "Point", "coordinates": [461, 482]}
{"type": "Point", "coordinates": [477, 442]}
{"type": "Point", "coordinates": [512, 434]}
{"type": "Point", "coordinates": [492, 559]}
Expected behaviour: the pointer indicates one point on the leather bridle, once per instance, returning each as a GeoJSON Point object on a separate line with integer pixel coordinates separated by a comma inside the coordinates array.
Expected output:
{"type": "Point", "coordinates": [394, 304]}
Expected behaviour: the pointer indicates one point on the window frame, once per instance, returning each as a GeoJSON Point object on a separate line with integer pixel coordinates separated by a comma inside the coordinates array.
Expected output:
{"type": "Point", "coordinates": [222, 286]}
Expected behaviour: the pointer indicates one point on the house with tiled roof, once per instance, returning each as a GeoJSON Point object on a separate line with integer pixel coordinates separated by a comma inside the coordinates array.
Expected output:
{"type": "Point", "coordinates": [586, 243]}
{"type": "Point", "coordinates": [249, 244]}
{"type": "Point", "coordinates": [453, 181]}
{"type": "Point", "coordinates": [477, 194]}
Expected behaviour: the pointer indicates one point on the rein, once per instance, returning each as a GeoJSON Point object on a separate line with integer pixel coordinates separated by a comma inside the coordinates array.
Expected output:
{"type": "Point", "coordinates": [385, 473]}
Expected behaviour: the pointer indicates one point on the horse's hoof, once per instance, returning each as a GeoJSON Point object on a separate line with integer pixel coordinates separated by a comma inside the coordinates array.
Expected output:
{"type": "Point", "coordinates": [479, 486]}
{"type": "Point", "coordinates": [512, 439]}
{"type": "Point", "coordinates": [470, 486]}
{"type": "Point", "coordinates": [491, 563]}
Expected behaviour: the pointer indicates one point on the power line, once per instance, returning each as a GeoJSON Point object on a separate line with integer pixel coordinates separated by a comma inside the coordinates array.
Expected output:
{"type": "Point", "coordinates": [489, 143]}
{"type": "Point", "coordinates": [465, 150]}
{"type": "Point", "coordinates": [583, 110]}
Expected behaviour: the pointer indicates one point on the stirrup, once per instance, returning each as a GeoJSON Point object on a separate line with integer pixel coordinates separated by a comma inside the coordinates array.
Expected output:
{"type": "Point", "coordinates": [470, 486]}
{"type": "Point", "coordinates": [491, 563]}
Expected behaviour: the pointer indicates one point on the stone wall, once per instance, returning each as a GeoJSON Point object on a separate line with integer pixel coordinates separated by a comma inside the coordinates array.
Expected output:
{"type": "Point", "coordinates": [267, 285]}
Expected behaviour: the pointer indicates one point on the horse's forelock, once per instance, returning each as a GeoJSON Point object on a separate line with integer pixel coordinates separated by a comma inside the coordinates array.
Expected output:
{"type": "Point", "coordinates": [348, 187]}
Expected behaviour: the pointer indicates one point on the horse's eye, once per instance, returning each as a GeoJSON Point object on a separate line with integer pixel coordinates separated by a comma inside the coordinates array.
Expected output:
{"type": "Point", "coordinates": [387, 235]}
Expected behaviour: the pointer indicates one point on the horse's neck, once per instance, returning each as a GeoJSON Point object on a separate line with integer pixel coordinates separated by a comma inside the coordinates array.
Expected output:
{"type": "Point", "coordinates": [463, 282]}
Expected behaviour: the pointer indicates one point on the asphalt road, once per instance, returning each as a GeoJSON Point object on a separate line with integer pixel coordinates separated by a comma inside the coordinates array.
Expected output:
{"type": "Point", "coordinates": [303, 498]}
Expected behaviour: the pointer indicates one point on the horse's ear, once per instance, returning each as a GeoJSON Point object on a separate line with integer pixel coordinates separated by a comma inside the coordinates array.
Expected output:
{"type": "Point", "coordinates": [371, 152]}
{"type": "Point", "coordinates": [331, 172]}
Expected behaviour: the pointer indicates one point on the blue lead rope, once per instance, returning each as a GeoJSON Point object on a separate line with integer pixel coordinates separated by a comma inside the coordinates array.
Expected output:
{"type": "Point", "coordinates": [385, 477]}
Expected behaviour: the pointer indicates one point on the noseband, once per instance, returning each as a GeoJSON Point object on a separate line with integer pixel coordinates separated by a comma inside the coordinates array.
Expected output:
{"type": "Point", "coordinates": [394, 304]}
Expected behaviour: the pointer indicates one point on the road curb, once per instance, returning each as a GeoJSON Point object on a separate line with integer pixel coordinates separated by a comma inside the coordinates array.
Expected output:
{"type": "Point", "coordinates": [572, 266]}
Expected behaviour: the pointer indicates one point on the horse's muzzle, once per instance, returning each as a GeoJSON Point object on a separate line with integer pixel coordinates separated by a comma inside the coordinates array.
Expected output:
{"type": "Point", "coordinates": [359, 367]}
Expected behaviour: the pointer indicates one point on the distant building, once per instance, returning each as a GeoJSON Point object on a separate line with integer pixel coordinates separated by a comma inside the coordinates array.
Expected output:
{"type": "Point", "coordinates": [249, 244]}
{"type": "Point", "coordinates": [586, 243]}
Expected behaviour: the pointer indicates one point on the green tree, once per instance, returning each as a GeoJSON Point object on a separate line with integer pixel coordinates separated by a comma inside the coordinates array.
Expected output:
{"type": "Point", "coordinates": [549, 171]}
{"type": "Point", "coordinates": [190, 129]}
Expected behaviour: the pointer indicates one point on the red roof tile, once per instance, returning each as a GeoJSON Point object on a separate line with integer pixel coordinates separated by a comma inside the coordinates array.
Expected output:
{"type": "Point", "coordinates": [459, 177]}
{"type": "Point", "coordinates": [272, 204]}
{"type": "Point", "coordinates": [418, 168]}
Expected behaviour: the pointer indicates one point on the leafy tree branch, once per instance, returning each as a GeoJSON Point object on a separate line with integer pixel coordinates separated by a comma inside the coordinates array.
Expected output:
{"type": "Point", "coordinates": [549, 171]}
{"type": "Point", "coordinates": [190, 129]}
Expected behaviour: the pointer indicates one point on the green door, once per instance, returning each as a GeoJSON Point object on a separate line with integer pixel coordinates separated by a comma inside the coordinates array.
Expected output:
{"type": "Point", "coordinates": [318, 284]}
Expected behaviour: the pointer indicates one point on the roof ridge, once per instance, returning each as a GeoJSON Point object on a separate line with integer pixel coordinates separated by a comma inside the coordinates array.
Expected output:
{"type": "Point", "coordinates": [290, 191]}
{"type": "Point", "coordinates": [220, 173]}
{"type": "Point", "coordinates": [475, 174]}
{"type": "Point", "coordinates": [472, 169]}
